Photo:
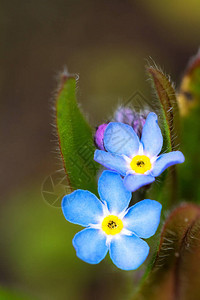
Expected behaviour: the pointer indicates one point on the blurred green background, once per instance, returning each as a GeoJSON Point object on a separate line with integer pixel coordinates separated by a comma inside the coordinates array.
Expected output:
{"type": "Point", "coordinates": [107, 44]}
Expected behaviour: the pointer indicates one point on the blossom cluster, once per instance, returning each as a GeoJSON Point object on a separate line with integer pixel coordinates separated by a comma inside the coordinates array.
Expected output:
{"type": "Point", "coordinates": [130, 151]}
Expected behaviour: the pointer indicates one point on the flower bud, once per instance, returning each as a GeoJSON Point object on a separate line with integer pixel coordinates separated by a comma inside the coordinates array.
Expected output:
{"type": "Point", "coordinates": [124, 115]}
{"type": "Point", "coordinates": [98, 138]}
{"type": "Point", "coordinates": [128, 116]}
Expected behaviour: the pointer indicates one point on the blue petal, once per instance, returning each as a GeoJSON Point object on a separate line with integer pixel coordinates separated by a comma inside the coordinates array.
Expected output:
{"type": "Point", "coordinates": [82, 207]}
{"type": "Point", "coordinates": [152, 139]}
{"type": "Point", "coordinates": [143, 218]}
{"type": "Point", "coordinates": [111, 161]}
{"type": "Point", "coordinates": [166, 160]}
{"type": "Point", "coordinates": [128, 252]}
{"type": "Point", "coordinates": [90, 245]}
{"type": "Point", "coordinates": [120, 139]}
{"type": "Point", "coordinates": [134, 182]}
{"type": "Point", "coordinates": [112, 191]}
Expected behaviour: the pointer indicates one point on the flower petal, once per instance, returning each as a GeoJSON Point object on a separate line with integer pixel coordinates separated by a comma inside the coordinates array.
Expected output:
{"type": "Point", "coordinates": [111, 161]}
{"type": "Point", "coordinates": [143, 218]}
{"type": "Point", "coordinates": [82, 207]}
{"type": "Point", "coordinates": [134, 182]}
{"type": "Point", "coordinates": [151, 139]}
{"type": "Point", "coordinates": [112, 191]}
{"type": "Point", "coordinates": [128, 252]}
{"type": "Point", "coordinates": [120, 139]}
{"type": "Point", "coordinates": [166, 160]}
{"type": "Point", "coordinates": [90, 245]}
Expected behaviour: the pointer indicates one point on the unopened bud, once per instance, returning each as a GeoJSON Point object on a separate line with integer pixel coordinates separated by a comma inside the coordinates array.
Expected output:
{"type": "Point", "coordinates": [98, 138]}
{"type": "Point", "coordinates": [128, 116]}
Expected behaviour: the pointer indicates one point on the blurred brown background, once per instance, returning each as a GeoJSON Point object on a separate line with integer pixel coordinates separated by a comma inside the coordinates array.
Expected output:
{"type": "Point", "coordinates": [107, 44]}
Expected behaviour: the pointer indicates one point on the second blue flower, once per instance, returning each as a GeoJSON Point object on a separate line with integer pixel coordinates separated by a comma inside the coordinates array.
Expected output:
{"type": "Point", "coordinates": [136, 160]}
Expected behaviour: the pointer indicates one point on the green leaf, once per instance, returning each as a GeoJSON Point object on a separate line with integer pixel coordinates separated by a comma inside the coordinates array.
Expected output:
{"type": "Point", "coordinates": [165, 105]}
{"type": "Point", "coordinates": [189, 102]}
{"type": "Point", "coordinates": [189, 171]}
{"type": "Point", "coordinates": [75, 138]}
{"type": "Point", "coordinates": [176, 271]}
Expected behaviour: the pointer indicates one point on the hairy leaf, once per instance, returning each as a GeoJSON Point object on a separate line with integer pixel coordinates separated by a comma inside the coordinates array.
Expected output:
{"type": "Point", "coordinates": [166, 107]}
{"type": "Point", "coordinates": [75, 138]}
{"type": "Point", "coordinates": [175, 274]}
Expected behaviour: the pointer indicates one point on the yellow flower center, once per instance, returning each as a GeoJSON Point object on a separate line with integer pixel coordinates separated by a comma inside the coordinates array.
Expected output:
{"type": "Point", "coordinates": [140, 164]}
{"type": "Point", "coordinates": [112, 225]}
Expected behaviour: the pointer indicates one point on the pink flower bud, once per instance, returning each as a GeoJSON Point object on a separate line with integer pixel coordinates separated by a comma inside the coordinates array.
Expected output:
{"type": "Point", "coordinates": [128, 116]}
{"type": "Point", "coordinates": [98, 138]}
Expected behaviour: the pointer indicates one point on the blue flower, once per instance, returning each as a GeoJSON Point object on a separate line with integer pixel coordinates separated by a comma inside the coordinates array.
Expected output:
{"type": "Point", "coordinates": [110, 225]}
{"type": "Point", "coordinates": [136, 160]}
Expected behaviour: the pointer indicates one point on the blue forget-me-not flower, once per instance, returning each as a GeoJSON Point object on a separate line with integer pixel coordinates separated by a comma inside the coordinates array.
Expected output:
{"type": "Point", "coordinates": [136, 160]}
{"type": "Point", "coordinates": [110, 224]}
